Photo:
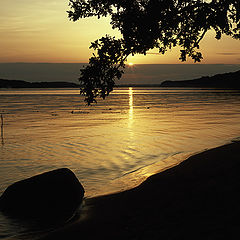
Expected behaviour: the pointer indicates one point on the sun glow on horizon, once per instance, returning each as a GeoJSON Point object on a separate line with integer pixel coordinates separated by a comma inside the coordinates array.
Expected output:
{"type": "Point", "coordinates": [32, 35]}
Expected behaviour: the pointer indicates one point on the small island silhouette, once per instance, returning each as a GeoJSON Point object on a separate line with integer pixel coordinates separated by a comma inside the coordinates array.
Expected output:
{"type": "Point", "coordinates": [4, 83]}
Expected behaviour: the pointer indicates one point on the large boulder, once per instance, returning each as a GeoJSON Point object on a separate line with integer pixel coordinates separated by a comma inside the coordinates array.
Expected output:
{"type": "Point", "coordinates": [52, 196]}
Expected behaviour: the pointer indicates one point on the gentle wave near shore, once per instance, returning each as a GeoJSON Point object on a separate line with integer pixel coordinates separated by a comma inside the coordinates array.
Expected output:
{"type": "Point", "coordinates": [197, 199]}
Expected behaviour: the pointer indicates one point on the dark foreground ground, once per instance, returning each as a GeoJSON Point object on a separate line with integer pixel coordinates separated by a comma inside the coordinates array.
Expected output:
{"type": "Point", "coordinates": [198, 199]}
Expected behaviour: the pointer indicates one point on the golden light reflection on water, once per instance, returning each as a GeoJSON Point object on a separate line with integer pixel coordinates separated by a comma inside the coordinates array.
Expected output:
{"type": "Point", "coordinates": [129, 137]}
{"type": "Point", "coordinates": [115, 148]}
{"type": "Point", "coordinates": [130, 111]}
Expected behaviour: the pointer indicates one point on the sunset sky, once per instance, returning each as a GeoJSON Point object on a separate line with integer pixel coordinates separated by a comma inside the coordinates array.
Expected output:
{"type": "Point", "coordinates": [40, 31]}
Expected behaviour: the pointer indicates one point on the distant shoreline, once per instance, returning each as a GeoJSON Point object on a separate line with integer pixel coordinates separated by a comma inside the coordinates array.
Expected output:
{"type": "Point", "coordinates": [227, 80]}
{"type": "Point", "coordinates": [4, 83]}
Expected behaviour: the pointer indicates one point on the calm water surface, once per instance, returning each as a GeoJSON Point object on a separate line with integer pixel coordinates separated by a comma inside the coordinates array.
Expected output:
{"type": "Point", "coordinates": [115, 144]}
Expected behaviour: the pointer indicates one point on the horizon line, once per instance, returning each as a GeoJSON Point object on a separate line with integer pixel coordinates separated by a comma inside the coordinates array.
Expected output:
{"type": "Point", "coordinates": [126, 63]}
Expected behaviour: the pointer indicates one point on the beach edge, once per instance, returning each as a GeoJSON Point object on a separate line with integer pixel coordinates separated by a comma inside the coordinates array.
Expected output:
{"type": "Point", "coordinates": [165, 200]}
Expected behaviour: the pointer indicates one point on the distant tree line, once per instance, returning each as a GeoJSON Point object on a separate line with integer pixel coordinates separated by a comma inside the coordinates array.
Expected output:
{"type": "Point", "coordinates": [4, 83]}
{"type": "Point", "coordinates": [226, 80]}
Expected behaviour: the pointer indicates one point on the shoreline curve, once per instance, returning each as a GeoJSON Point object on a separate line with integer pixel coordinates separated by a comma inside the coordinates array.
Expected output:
{"type": "Point", "coordinates": [196, 199]}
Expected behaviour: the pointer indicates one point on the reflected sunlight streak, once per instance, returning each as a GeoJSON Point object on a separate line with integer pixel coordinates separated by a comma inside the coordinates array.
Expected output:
{"type": "Point", "coordinates": [130, 113]}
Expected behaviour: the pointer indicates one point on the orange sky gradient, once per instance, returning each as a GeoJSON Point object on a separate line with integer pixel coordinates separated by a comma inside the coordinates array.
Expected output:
{"type": "Point", "coordinates": [40, 31]}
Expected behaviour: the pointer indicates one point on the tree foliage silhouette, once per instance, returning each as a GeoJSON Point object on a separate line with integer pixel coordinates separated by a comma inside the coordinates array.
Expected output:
{"type": "Point", "coordinates": [145, 25]}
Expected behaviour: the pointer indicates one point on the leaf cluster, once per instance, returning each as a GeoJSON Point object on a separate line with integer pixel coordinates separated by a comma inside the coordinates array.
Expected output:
{"type": "Point", "coordinates": [98, 78]}
{"type": "Point", "coordinates": [149, 24]}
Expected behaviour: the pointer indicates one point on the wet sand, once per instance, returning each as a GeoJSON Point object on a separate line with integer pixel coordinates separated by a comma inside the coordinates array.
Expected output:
{"type": "Point", "coordinates": [197, 199]}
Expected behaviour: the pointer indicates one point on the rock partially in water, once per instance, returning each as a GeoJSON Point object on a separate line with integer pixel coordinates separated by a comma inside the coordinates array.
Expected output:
{"type": "Point", "coordinates": [51, 196]}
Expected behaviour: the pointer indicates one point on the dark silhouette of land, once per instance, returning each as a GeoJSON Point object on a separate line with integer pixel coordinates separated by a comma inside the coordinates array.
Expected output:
{"type": "Point", "coordinates": [24, 84]}
{"type": "Point", "coordinates": [226, 80]}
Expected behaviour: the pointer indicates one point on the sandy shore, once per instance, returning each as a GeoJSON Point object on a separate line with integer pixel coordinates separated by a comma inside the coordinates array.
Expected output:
{"type": "Point", "coordinates": [198, 199]}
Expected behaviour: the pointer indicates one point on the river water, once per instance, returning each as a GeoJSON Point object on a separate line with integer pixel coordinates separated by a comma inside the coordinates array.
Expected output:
{"type": "Point", "coordinates": [115, 144]}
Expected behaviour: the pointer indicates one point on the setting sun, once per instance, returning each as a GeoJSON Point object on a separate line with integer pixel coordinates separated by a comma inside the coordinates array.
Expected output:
{"type": "Point", "coordinates": [130, 64]}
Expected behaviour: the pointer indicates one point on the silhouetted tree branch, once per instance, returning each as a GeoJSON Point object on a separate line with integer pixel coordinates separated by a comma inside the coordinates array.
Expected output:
{"type": "Point", "coordinates": [149, 24]}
